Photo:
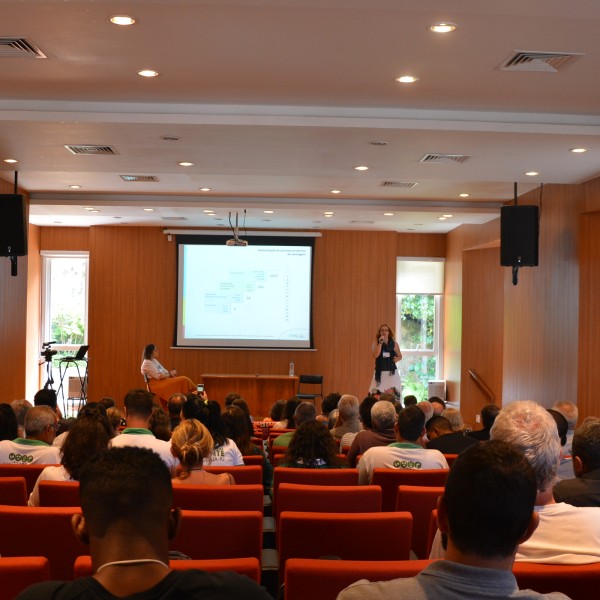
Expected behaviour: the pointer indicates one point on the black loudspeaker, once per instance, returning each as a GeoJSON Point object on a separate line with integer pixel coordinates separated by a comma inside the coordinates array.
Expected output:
{"type": "Point", "coordinates": [13, 225]}
{"type": "Point", "coordinates": [519, 234]}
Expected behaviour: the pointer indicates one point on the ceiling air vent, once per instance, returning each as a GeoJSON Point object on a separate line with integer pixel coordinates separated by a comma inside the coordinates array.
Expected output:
{"type": "Point", "coordinates": [19, 47]}
{"type": "Point", "coordinates": [399, 184]}
{"type": "Point", "coordinates": [174, 218]}
{"type": "Point", "coordinates": [89, 149]}
{"type": "Point", "coordinates": [544, 62]}
{"type": "Point", "coordinates": [146, 178]}
{"type": "Point", "coordinates": [436, 157]}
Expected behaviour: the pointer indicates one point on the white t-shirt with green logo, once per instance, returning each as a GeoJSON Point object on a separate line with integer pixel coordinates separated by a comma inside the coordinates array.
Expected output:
{"type": "Point", "coordinates": [27, 452]}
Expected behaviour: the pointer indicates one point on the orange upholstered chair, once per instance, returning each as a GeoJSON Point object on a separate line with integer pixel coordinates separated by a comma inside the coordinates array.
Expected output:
{"type": "Point", "coordinates": [41, 531]}
{"type": "Point", "coordinates": [419, 501]}
{"type": "Point", "coordinates": [276, 451]}
{"type": "Point", "coordinates": [218, 497]}
{"type": "Point", "coordinates": [253, 459]}
{"type": "Point", "coordinates": [30, 472]}
{"type": "Point", "coordinates": [13, 491]}
{"type": "Point", "coordinates": [59, 493]}
{"type": "Point", "coordinates": [18, 573]}
{"type": "Point", "coordinates": [312, 477]}
{"type": "Point", "coordinates": [390, 479]}
{"type": "Point", "coordinates": [243, 566]}
{"type": "Point", "coordinates": [219, 534]}
{"type": "Point", "coordinates": [242, 475]}
{"type": "Point", "coordinates": [328, 498]}
{"type": "Point", "coordinates": [578, 582]}
{"type": "Point", "coordinates": [450, 458]}
{"type": "Point", "coordinates": [349, 536]}
{"type": "Point", "coordinates": [325, 579]}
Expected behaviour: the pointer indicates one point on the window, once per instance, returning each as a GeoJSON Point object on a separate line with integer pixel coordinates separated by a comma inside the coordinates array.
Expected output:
{"type": "Point", "coordinates": [64, 305]}
{"type": "Point", "coordinates": [419, 297]}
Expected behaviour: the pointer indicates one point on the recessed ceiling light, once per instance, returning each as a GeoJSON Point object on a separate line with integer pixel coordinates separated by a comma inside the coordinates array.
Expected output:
{"type": "Point", "coordinates": [532, 173]}
{"type": "Point", "coordinates": [205, 189]}
{"type": "Point", "coordinates": [268, 212]}
{"type": "Point", "coordinates": [361, 168]}
{"type": "Point", "coordinates": [336, 191]}
{"type": "Point", "coordinates": [388, 214]}
{"type": "Point", "coordinates": [328, 216]}
{"type": "Point", "coordinates": [208, 210]}
{"type": "Point", "coordinates": [441, 218]}
{"type": "Point", "coordinates": [185, 163]}
{"type": "Point", "coordinates": [448, 216]}
{"type": "Point", "coordinates": [122, 20]}
{"type": "Point", "coordinates": [578, 150]}
{"type": "Point", "coordinates": [148, 73]}
{"type": "Point", "coordinates": [464, 195]}
{"type": "Point", "coordinates": [88, 208]}
{"type": "Point", "coordinates": [10, 160]}
{"type": "Point", "coordinates": [94, 210]}
{"type": "Point", "coordinates": [407, 79]}
{"type": "Point", "coordinates": [75, 187]}
{"type": "Point", "coordinates": [443, 27]}
{"type": "Point", "coordinates": [328, 213]}
{"type": "Point", "coordinates": [148, 210]}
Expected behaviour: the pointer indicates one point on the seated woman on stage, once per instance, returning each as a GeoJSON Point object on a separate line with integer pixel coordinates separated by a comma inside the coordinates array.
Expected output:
{"type": "Point", "coordinates": [225, 453]}
{"type": "Point", "coordinates": [312, 447]}
{"type": "Point", "coordinates": [163, 383]}
{"type": "Point", "coordinates": [192, 443]}
{"type": "Point", "coordinates": [88, 436]}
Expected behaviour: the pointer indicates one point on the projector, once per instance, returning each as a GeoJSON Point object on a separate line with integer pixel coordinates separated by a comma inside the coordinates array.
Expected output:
{"type": "Point", "coordinates": [236, 242]}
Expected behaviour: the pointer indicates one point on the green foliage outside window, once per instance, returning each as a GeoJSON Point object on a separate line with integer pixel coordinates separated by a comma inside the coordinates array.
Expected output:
{"type": "Point", "coordinates": [68, 329]}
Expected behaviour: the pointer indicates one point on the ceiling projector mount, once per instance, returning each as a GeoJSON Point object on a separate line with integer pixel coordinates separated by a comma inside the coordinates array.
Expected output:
{"type": "Point", "coordinates": [236, 240]}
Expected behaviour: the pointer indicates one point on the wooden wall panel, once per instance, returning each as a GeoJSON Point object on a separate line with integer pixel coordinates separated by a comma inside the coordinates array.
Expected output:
{"type": "Point", "coordinates": [426, 245]}
{"type": "Point", "coordinates": [541, 312]}
{"type": "Point", "coordinates": [33, 304]}
{"type": "Point", "coordinates": [482, 330]}
{"type": "Point", "coordinates": [132, 303]}
{"type": "Point", "coordinates": [65, 238]}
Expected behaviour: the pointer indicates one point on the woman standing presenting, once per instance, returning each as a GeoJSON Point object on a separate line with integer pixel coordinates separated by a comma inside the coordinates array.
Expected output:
{"type": "Point", "coordinates": [386, 353]}
{"type": "Point", "coordinates": [163, 383]}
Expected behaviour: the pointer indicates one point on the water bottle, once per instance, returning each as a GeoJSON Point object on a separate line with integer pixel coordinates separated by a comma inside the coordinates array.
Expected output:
{"type": "Point", "coordinates": [291, 369]}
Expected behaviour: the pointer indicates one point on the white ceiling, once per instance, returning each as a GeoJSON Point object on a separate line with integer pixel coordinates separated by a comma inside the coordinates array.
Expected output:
{"type": "Point", "coordinates": [276, 101]}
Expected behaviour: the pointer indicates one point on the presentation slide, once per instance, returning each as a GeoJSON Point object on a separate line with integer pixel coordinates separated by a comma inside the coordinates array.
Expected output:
{"type": "Point", "coordinates": [255, 296]}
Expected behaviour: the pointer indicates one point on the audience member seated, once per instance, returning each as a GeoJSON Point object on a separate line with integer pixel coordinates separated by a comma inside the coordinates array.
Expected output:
{"type": "Point", "coordinates": [455, 419]}
{"type": "Point", "coordinates": [347, 421]}
{"type": "Point", "coordinates": [236, 428]}
{"type": "Point", "coordinates": [305, 411]}
{"type": "Point", "coordinates": [584, 489]}
{"type": "Point", "coordinates": [485, 512]}
{"type": "Point", "coordinates": [174, 405]}
{"type": "Point", "coordinates": [364, 413]}
{"type": "Point", "coordinates": [312, 447]}
{"type": "Point", "coordinates": [225, 453]}
{"type": "Point", "coordinates": [443, 438]}
{"type": "Point", "coordinates": [92, 409]}
{"type": "Point", "coordinates": [159, 424]}
{"type": "Point", "coordinates": [328, 404]}
{"type": "Point", "coordinates": [115, 418]}
{"type": "Point", "coordinates": [47, 397]}
{"type": "Point", "coordinates": [382, 432]}
{"type": "Point", "coordinates": [406, 453]}
{"type": "Point", "coordinates": [138, 410]}
{"type": "Point", "coordinates": [192, 444]}
{"type": "Point", "coordinates": [276, 412]}
{"type": "Point", "coordinates": [565, 468]}
{"type": "Point", "coordinates": [20, 408]}
{"type": "Point", "coordinates": [410, 400]}
{"type": "Point", "coordinates": [427, 409]}
{"type": "Point", "coordinates": [128, 521]}
{"type": "Point", "coordinates": [243, 405]}
{"type": "Point", "coordinates": [9, 429]}
{"type": "Point", "coordinates": [287, 418]}
{"type": "Point", "coordinates": [41, 424]}
{"type": "Point", "coordinates": [163, 383]}
{"type": "Point", "coordinates": [566, 534]}
{"type": "Point", "coordinates": [231, 398]}
{"type": "Point", "coordinates": [488, 415]}
{"type": "Point", "coordinates": [107, 402]}
{"type": "Point", "coordinates": [438, 405]}
{"type": "Point", "coordinates": [570, 412]}
{"type": "Point", "coordinates": [88, 437]}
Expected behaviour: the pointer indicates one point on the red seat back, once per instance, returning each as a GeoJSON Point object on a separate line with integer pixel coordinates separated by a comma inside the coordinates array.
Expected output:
{"type": "Point", "coordinates": [349, 536]}
{"type": "Point", "coordinates": [325, 579]}
{"type": "Point", "coordinates": [13, 491]}
{"type": "Point", "coordinates": [30, 472]}
{"type": "Point", "coordinates": [419, 501]}
{"type": "Point", "coordinates": [578, 582]}
{"type": "Point", "coordinates": [218, 497]}
{"type": "Point", "coordinates": [253, 459]}
{"type": "Point", "coordinates": [59, 493]}
{"type": "Point", "coordinates": [18, 573]}
{"type": "Point", "coordinates": [242, 475]}
{"type": "Point", "coordinates": [390, 479]}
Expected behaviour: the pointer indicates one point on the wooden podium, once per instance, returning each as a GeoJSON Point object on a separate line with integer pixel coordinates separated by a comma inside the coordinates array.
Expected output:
{"type": "Point", "coordinates": [259, 391]}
